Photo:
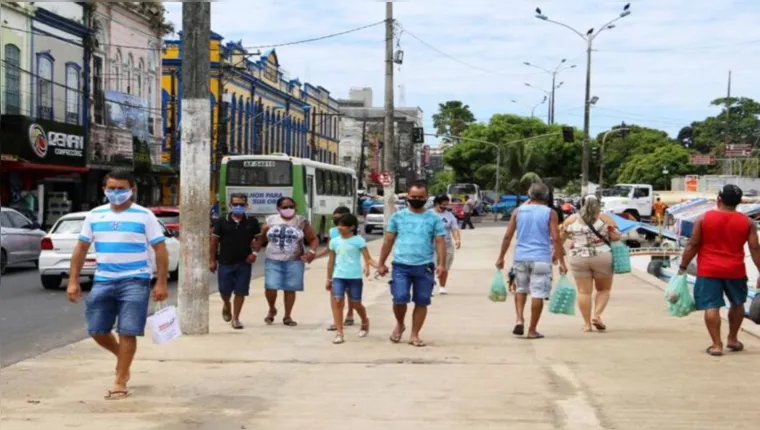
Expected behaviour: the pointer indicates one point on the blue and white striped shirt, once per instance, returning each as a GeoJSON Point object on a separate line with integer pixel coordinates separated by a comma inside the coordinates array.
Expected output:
{"type": "Point", "coordinates": [122, 241]}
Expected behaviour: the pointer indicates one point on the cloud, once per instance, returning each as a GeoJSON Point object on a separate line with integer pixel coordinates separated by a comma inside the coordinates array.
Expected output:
{"type": "Point", "coordinates": [659, 67]}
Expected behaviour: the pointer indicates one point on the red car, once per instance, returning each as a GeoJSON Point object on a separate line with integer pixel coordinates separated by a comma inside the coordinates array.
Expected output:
{"type": "Point", "coordinates": [457, 209]}
{"type": "Point", "coordinates": [169, 215]}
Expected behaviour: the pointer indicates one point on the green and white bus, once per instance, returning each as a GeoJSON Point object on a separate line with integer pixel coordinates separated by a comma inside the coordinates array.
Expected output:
{"type": "Point", "coordinates": [318, 188]}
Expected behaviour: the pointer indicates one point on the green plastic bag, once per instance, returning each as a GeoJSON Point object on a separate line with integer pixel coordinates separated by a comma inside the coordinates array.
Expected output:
{"type": "Point", "coordinates": [563, 298]}
{"type": "Point", "coordinates": [621, 258]}
{"type": "Point", "coordinates": [678, 297]}
{"type": "Point", "coordinates": [498, 291]}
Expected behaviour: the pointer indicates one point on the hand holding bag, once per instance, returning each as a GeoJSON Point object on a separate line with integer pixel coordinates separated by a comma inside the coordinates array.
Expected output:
{"type": "Point", "coordinates": [497, 292]}
{"type": "Point", "coordinates": [621, 255]}
{"type": "Point", "coordinates": [164, 324]}
{"type": "Point", "coordinates": [563, 298]}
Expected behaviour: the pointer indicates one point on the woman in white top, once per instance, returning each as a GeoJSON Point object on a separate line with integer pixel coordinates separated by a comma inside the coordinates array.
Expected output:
{"type": "Point", "coordinates": [590, 233]}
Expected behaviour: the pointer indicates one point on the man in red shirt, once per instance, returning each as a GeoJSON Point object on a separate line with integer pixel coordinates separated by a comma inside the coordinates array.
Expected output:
{"type": "Point", "coordinates": [718, 241]}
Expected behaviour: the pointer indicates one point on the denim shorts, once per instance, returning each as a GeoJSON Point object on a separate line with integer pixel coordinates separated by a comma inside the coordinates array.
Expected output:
{"type": "Point", "coordinates": [412, 283]}
{"type": "Point", "coordinates": [234, 278]}
{"type": "Point", "coordinates": [534, 278]}
{"type": "Point", "coordinates": [708, 292]}
{"type": "Point", "coordinates": [353, 287]}
{"type": "Point", "coordinates": [283, 275]}
{"type": "Point", "coordinates": [123, 299]}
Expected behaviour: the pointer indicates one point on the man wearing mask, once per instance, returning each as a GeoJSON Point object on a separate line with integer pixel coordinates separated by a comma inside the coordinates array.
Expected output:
{"type": "Point", "coordinates": [232, 256]}
{"type": "Point", "coordinates": [121, 231]}
{"type": "Point", "coordinates": [419, 236]}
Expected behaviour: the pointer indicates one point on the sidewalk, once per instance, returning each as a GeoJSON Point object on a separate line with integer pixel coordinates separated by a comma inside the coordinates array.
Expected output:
{"type": "Point", "coordinates": [649, 371]}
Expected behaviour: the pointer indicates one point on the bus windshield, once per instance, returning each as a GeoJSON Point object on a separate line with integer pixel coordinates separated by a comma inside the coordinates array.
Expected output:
{"type": "Point", "coordinates": [260, 173]}
{"type": "Point", "coordinates": [463, 189]}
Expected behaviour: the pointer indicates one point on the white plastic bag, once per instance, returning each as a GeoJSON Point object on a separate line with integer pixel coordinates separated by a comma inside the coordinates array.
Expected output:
{"type": "Point", "coordinates": [164, 325]}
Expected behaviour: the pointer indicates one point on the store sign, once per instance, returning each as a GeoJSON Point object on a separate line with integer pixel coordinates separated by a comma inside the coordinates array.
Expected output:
{"type": "Point", "coordinates": [42, 141]}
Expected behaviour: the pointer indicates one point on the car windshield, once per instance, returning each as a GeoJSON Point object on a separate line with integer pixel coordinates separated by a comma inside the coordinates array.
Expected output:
{"type": "Point", "coordinates": [168, 217]}
{"type": "Point", "coordinates": [620, 191]}
{"type": "Point", "coordinates": [69, 226]}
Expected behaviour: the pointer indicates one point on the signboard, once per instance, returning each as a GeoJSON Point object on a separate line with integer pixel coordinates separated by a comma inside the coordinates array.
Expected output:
{"type": "Point", "coordinates": [261, 200]}
{"type": "Point", "coordinates": [737, 150]}
{"type": "Point", "coordinates": [702, 159]}
{"type": "Point", "coordinates": [43, 142]}
{"type": "Point", "coordinates": [692, 183]}
{"type": "Point", "coordinates": [129, 113]}
{"type": "Point", "coordinates": [385, 178]}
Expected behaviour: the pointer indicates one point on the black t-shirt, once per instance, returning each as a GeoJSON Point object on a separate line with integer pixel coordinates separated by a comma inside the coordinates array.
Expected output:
{"type": "Point", "coordinates": [235, 238]}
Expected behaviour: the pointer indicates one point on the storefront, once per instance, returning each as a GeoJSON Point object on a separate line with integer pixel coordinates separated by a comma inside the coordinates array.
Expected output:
{"type": "Point", "coordinates": [42, 169]}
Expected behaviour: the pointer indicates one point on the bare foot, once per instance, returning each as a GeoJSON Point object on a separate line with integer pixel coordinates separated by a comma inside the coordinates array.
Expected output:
{"type": "Point", "coordinates": [587, 328]}
{"type": "Point", "coordinates": [416, 341]}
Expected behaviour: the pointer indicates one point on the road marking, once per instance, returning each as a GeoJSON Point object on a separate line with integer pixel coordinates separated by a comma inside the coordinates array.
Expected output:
{"type": "Point", "coordinates": [578, 412]}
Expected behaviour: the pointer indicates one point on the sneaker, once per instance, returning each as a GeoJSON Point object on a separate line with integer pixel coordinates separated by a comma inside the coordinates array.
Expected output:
{"type": "Point", "coordinates": [442, 291]}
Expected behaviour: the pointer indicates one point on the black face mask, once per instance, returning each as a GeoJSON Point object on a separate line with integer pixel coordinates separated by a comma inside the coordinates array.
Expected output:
{"type": "Point", "coordinates": [416, 204]}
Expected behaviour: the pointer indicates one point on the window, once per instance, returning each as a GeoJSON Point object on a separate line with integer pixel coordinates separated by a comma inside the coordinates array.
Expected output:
{"type": "Point", "coordinates": [68, 226]}
{"type": "Point", "coordinates": [117, 72]}
{"type": "Point", "coordinates": [333, 190]}
{"type": "Point", "coordinates": [270, 72]}
{"type": "Point", "coordinates": [128, 73]}
{"type": "Point", "coordinates": [139, 79]}
{"type": "Point", "coordinates": [72, 94]}
{"type": "Point", "coordinates": [97, 89]}
{"type": "Point", "coordinates": [241, 126]}
{"type": "Point", "coordinates": [45, 87]}
{"type": "Point", "coordinates": [641, 192]}
{"type": "Point", "coordinates": [259, 173]}
{"type": "Point", "coordinates": [342, 184]}
{"type": "Point", "coordinates": [150, 82]}
{"type": "Point", "coordinates": [320, 181]}
{"type": "Point", "coordinates": [18, 220]}
{"type": "Point", "coordinates": [12, 80]}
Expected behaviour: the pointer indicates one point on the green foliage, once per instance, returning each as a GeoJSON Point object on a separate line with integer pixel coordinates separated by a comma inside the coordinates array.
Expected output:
{"type": "Point", "coordinates": [647, 168]}
{"type": "Point", "coordinates": [440, 182]}
{"type": "Point", "coordinates": [452, 119]}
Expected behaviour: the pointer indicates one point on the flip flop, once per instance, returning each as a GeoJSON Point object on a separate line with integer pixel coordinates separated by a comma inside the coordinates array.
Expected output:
{"type": "Point", "coordinates": [270, 317]}
{"type": "Point", "coordinates": [537, 336]}
{"type": "Point", "coordinates": [236, 325]}
{"type": "Point", "coordinates": [519, 330]}
{"type": "Point", "coordinates": [288, 321]}
{"type": "Point", "coordinates": [712, 352]}
{"type": "Point", "coordinates": [599, 325]}
{"type": "Point", "coordinates": [116, 395]}
{"type": "Point", "coordinates": [737, 347]}
{"type": "Point", "coordinates": [332, 328]}
{"type": "Point", "coordinates": [338, 339]}
{"type": "Point", "coordinates": [364, 330]}
{"type": "Point", "coordinates": [418, 343]}
{"type": "Point", "coordinates": [348, 322]}
{"type": "Point", "coordinates": [396, 337]}
{"type": "Point", "coordinates": [226, 314]}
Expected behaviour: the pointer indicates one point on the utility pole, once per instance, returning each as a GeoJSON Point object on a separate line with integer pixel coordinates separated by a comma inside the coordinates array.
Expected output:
{"type": "Point", "coordinates": [361, 155]}
{"type": "Point", "coordinates": [388, 138]}
{"type": "Point", "coordinates": [586, 121]}
{"type": "Point", "coordinates": [551, 102]}
{"type": "Point", "coordinates": [195, 166]}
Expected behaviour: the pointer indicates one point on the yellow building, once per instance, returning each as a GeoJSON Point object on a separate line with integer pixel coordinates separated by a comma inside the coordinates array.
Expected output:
{"type": "Point", "coordinates": [255, 107]}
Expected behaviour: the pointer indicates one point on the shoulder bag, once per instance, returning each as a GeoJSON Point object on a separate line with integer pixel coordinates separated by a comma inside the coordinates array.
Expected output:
{"type": "Point", "coordinates": [621, 256]}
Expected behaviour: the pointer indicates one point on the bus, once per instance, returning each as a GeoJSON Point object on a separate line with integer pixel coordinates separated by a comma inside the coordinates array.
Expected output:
{"type": "Point", "coordinates": [458, 191]}
{"type": "Point", "coordinates": [317, 188]}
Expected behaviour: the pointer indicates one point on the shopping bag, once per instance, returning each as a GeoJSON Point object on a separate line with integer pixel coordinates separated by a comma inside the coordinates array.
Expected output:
{"type": "Point", "coordinates": [563, 299]}
{"type": "Point", "coordinates": [164, 325]}
{"type": "Point", "coordinates": [621, 258]}
{"type": "Point", "coordinates": [753, 313]}
{"type": "Point", "coordinates": [678, 297]}
{"type": "Point", "coordinates": [498, 291]}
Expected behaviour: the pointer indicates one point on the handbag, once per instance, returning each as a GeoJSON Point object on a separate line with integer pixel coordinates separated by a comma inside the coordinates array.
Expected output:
{"type": "Point", "coordinates": [621, 255]}
{"type": "Point", "coordinates": [164, 324]}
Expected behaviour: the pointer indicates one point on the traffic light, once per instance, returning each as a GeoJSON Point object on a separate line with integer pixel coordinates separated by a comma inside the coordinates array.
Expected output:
{"type": "Point", "coordinates": [418, 135]}
{"type": "Point", "coordinates": [568, 134]}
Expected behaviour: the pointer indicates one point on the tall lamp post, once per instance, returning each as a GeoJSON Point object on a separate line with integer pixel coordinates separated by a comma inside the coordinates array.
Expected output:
{"type": "Point", "coordinates": [589, 38]}
{"type": "Point", "coordinates": [549, 95]}
{"type": "Point", "coordinates": [553, 72]}
{"type": "Point", "coordinates": [532, 108]}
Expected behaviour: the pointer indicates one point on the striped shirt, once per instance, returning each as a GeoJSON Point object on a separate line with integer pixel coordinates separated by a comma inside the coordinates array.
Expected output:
{"type": "Point", "coordinates": [121, 241]}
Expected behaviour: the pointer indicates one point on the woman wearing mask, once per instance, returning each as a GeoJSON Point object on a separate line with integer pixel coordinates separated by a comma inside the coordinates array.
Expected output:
{"type": "Point", "coordinates": [453, 238]}
{"type": "Point", "coordinates": [590, 233]}
{"type": "Point", "coordinates": [286, 234]}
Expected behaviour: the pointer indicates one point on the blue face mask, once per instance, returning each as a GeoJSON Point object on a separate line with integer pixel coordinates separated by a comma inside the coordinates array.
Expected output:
{"type": "Point", "coordinates": [238, 210]}
{"type": "Point", "coordinates": [118, 197]}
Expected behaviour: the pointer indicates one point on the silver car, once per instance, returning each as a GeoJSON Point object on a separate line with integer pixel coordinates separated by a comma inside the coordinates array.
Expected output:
{"type": "Point", "coordinates": [375, 218]}
{"type": "Point", "coordinates": [20, 239]}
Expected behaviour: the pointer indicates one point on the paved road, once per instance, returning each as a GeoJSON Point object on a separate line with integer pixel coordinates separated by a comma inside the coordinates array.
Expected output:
{"type": "Point", "coordinates": [34, 320]}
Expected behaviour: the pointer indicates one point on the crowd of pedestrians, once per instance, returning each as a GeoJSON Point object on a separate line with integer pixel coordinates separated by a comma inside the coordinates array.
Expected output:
{"type": "Point", "coordinates": [423, 243]}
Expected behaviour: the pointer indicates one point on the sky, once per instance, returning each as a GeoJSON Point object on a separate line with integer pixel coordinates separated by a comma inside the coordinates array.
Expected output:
{"type": "Point", "coordinates": [659, 67]}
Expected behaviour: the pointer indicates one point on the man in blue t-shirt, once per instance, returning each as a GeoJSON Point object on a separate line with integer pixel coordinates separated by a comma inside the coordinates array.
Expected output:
{"type": "Point", "coordinates": [419, 236]}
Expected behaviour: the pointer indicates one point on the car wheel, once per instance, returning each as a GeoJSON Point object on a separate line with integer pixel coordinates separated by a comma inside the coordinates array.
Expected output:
{"type": "Point", "coordinates": [368, 229]}
{"type": "Point", "coordinates": [3, 262]}
{"type": "Point", "coordinates": [51, 282]}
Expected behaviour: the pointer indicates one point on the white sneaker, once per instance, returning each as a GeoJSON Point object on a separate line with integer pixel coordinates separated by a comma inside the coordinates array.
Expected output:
{"type": "Point", "coordinates": [442, 290]}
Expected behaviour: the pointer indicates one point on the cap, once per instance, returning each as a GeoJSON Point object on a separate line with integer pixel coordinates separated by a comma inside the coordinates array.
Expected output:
{"type": "Point", "coordinates": [731, 195]}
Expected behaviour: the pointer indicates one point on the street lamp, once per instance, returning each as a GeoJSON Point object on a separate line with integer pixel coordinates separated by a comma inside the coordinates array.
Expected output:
{"type": "Point", "coordinates": [588, 37]}
{"type": "Point", "coordinates": [553, 72]}
{"type": "Point", "coordinates": [532, 108]}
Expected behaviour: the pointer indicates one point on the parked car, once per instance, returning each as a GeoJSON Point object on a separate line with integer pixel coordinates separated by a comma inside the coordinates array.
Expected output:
{"type": "Point", "coordinates": [375, 218]}
{"type": "Point", "coordinates": [19, 239]}
{"type": "Point", "coordinates": [169, 215]}
{"type": "Point", "coordinates": [58, 245]}
{"type": "Point", "coordinates": [457, 208]}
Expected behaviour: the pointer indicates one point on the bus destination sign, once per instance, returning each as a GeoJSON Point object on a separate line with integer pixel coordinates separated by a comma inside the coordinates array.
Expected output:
{"type": "Point", "coordinates": [258, 163]}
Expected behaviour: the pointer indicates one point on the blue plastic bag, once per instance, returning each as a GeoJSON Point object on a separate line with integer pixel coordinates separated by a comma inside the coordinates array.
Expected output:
{"type": "Point", "coordinates": [498, 291]}
{"type": "Point", "coordinates": [678, 297]}
{"type": "Point", "coordinates": [563, 298]}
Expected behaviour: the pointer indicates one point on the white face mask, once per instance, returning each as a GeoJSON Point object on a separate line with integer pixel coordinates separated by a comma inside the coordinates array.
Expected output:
{"type": "Point", "coordinates": [118, 197]}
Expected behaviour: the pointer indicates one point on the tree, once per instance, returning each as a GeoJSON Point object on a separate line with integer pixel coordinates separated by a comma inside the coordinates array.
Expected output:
{"type": "Point", "coordinates": [452, 119]}
{"type": "Point", "coordinates": [619, 150]}
{"type": "Point", "coordinates": [738, 119]}
{"type": "Point", "coordinates": [648, 167]}
{"type": "Point", "coordinates": [440, 183]}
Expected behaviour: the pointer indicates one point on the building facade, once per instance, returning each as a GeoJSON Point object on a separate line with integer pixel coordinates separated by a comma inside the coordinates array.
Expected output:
{"type": "Point", "coordinates": [256, 108]}
{"type": "Point", "coordinates": [44, 127]}
{"type": "Point", "coordinates": [127, 130]}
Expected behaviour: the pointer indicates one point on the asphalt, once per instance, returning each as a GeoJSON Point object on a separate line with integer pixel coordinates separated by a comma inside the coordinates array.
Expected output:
{"type": "Point", "coordinates": [34, 320]}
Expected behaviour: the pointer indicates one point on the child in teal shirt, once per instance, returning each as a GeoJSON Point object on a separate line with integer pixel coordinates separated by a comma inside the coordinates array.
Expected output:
{"type": "Point", "coordinates": [344, 274]}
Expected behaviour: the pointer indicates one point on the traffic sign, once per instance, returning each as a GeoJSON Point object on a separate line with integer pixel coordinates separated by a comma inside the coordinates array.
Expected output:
{"type": "Point", "coordinates": [738, 150]}
{"type": "Point", "coordinates": [702, 159]}
{"type": "Point", "coordinates": [385, 178]}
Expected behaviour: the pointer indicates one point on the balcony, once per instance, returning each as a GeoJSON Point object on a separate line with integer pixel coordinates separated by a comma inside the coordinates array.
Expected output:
{"type": "Point", "coordinates": [45, 112]}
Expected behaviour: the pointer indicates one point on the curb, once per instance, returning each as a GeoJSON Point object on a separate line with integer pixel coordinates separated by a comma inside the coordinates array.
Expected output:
{"type": "Point", "coordinates": [660, 285]}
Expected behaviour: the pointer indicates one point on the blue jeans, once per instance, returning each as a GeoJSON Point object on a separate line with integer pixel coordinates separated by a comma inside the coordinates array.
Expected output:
{"type": "Point", "coordinates": [126, 299]}
{"type": "Point", "coordinates": [234, 278]}
{"type": "Point", "coordinates": [353, 287]}
{"type": "Point", "coordinates": [412, 283]}
{"type": "Point", "coordinates": [283, 275]}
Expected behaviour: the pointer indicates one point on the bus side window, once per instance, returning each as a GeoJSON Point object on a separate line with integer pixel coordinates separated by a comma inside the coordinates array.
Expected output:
{"type": "Point", "coordinates": [343, 187]}
{"type": "Point", "coordinates": [320, 182]}
{"type": "Point", "coordinates": [333, 184]}
{"type": "Point", "coordinates": [347, 178]}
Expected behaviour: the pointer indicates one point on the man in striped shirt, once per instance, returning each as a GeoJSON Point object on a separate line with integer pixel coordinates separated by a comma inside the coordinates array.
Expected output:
{"type": "Point", "coordinates": [122, 232]}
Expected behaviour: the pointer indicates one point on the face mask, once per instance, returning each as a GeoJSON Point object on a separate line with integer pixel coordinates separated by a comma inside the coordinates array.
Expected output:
{"type": "Point", "coordinates": [238, 210]}
{"type": "Point", "coordinates": [417, 204]}
{"type": "Point", "coordinates": [118, 197]}
{"type": "Point", "coordinates": [287, 213]}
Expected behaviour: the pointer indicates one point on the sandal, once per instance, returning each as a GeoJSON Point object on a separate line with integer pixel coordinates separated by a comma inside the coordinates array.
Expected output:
{"type": "Point", "coordinates": [288, 321]}
{"type": "Point", "coordinates": [535, 336]}
{"type": "Point", "coordinates": [332, 327]}
{"type": "Point", "coordinates": [519, 330]}
{"type": "Point", "coordinates": [338, 339]}
{"type": "Point", "coordinates": [348, 322]}
{"type": "Point", "coordinates": [738, 346]}
{"type": "Point", "coordinates": [396, 337]}
{"type": "Point", "coordinates": [364, 330]}
{"type": "Point", "coordinates": [226, 313]}
{"type": "Point", "coordinates": [418, 343]}
{"type": "Point", "coordinates": [236, 325]}
{"type": "Point", "coordinates": [598, 324]}
{"type": "Point", "coordinates": [270, 316]}
{"type": "Point", "coordinates": [713, 352]}
{"type": "Point", "coordinates": [116, 395]}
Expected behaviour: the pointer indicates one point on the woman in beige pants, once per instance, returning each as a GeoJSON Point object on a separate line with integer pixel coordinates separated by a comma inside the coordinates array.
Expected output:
{"type": "Point", "coordinates": [590, 233]}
